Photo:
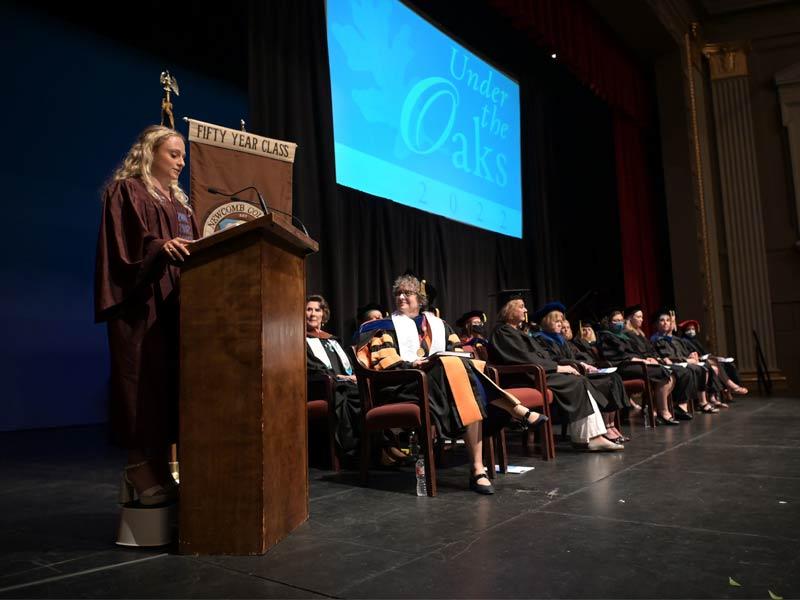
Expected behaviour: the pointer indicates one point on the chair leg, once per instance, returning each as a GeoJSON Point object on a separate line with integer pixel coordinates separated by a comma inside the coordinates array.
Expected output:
{"type": "Point", "coordinates": [365, 451]}
{"type": "Point", "coordinates": [430, 463]}
{"type": "Point", "coordinates": [526, 450]}
{"type": "Point", "coordinates": [548, 444]}
{"type": "Point", "coordinates": [488, 455]}
{"type": "Point", "coordinates": [335, 466]}
{"type": "Point", "coordinates": [650, 409]}
{"type": "Point", "coordinates": [502, 451]}
{"type": "Point", "coordinates": [618, 420]}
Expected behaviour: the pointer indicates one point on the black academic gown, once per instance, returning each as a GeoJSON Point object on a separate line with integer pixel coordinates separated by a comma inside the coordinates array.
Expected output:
{"type": "Point", "coordinates": [713, 382]}
{"type": "Point", "coordinates": [672, 348]}
{"type": "Point", "coordinates": [510, 346]}
{"type": "Point", "coordinates": [583, 350]}
{"type": "Point", "coordinates": [610, 384]}
{"type": "Point", "coordinates": [728, 367]}
{"type": "Point", "coordinates": [620, 348]}
{"type": "Point", "coordinates": [347, 401]}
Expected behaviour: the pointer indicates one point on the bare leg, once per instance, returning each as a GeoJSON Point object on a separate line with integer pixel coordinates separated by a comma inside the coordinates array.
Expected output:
{"type": "Point", "coordinates": [515, 408]}
{"type": "Point", "coordinates": [662, 400]}
{"type": "Point", "coordinates": [473, 440]}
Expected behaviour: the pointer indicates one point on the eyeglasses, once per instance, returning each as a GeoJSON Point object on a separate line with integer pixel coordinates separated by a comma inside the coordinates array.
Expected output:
{"type": "Point", "coordinates": [405, 293]}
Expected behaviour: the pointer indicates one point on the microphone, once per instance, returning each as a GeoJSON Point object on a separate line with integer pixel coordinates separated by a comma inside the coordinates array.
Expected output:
{"type": "Point", "coordinates": [261, 200]}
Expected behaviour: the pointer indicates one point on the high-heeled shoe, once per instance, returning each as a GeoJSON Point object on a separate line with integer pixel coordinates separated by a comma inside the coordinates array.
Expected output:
{"type": "Point", "coordinates": [152, 496]}
{"type": "Point", "coordinates": [663, 421]}
{"type": "Point", "coordinates": [525, 424]}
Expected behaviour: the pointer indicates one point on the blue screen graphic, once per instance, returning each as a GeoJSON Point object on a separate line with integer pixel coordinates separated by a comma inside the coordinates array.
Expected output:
{"type": "Point", "coordinates": [421, 120]}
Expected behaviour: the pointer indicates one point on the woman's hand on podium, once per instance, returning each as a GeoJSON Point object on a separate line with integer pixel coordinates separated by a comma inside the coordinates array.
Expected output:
{"type": "Point", "coordinates": [177, 248]}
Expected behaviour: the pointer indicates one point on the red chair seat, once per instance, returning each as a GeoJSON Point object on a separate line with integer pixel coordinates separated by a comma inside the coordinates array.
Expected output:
{"type": "Point", "coordinates": [401, 414]}
{"type": "Point", "coordinates": [317, 410]}
{"type": "Point", "coordinates": [530, 397]}
{"type": "Point", "coordinates": [634, 386]}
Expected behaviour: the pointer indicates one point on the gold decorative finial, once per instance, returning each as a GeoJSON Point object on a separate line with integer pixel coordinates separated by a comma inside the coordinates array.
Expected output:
{"type": "Point", "coordinates": [168, 84]}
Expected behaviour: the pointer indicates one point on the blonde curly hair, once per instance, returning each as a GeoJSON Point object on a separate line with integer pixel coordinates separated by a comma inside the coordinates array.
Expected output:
{"type": "Point", "coordinates": [139, 161]}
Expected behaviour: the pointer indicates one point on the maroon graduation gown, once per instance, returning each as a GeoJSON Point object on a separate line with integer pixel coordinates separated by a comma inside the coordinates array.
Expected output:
{"type": "Point", "coordinates": [136, 294]}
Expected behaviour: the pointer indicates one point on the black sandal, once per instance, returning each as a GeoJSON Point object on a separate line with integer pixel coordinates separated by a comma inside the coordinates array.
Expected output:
{"type": "Point", "coordinates": [486, 490]}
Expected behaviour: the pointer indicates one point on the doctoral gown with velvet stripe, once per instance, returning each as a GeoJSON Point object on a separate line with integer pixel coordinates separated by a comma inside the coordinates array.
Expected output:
{"type": "Point", "coordinates": [377, 348]}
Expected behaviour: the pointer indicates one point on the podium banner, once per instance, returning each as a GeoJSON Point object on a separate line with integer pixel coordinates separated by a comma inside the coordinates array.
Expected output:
{"type": "Point", "coordinates": [229, 160]}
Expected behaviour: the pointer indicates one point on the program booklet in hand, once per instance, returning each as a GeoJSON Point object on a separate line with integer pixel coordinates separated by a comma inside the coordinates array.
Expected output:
{"type": "Point", "coordinates": [451, 353]}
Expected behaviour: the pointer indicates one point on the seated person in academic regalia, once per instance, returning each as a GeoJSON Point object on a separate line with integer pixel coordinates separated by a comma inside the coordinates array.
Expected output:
{"type": "Point", "coordinates": [620, 347]}
{"type": "Point", "coordinates": [724, 368]}
{"type": "Point", "coordinates": [324, 355]}
{"type": "Point", "coordinates": [473, 333]}
{"type": "Point", "coordinates": [372, 311]}
{"type": "Point", "coordinates": [672, 351]}
{"type": "Point", "coordinates": [458, 390]}
{"type": "Point", "coordinates": [714, 385]}
{"type": "Point", "coordinates": [584, 342]}
{"type": "Point", "coordinates": [591, 357]}
{"type": "Point", "coordinates": [551, 323]}
{"type": "Point", "coordinates": [685, 388]}
{"type": "Point", "coordinates": [577, 398]}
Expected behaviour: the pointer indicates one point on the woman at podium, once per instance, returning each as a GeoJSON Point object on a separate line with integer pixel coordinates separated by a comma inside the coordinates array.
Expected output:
{"type": "Point", "coordinates": [145, 228]}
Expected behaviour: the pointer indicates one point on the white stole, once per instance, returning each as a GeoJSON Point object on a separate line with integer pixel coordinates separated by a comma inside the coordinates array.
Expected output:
{"type": "Point", "coordinates": [317, 350]}
{"type": "Point", "coordinates": [408, 337]}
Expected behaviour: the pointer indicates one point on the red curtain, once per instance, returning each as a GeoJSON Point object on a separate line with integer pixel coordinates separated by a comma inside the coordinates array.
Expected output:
{"type": "Point", "coordinates": [588, 49]}
{"type": "Point", "coordinates": [634, 194]}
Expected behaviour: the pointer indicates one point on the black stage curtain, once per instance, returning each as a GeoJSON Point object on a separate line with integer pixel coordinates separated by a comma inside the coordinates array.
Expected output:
{"type": "Point", "coordinates": [365, 242]}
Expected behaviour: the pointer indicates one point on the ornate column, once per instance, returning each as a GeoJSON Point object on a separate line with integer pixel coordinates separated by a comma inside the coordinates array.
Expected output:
{"type": "Point", "coordinates": [788, 82]}
{"type": "Point", "coordinates": [741, 203]}
{"type": "Point", "coordinates": [698, 112]}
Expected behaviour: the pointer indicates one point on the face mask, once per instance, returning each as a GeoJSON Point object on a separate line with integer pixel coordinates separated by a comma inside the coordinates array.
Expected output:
{"type": "Point", "coordinates": [618, 327]}
{"type": "Point", "coordinates": [691, 333]}
{"type": "Point", "coordinates": [477, 330]}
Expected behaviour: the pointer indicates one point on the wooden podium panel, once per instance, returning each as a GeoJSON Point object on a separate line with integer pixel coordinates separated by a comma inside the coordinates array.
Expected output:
{"type": "Point", "coordinates": [243, 422]}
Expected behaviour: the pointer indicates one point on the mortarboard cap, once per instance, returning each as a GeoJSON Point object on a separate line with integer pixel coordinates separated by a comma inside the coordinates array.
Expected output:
{"type": "Point", "coordinates": [661, 311]}
{"type": "Point", "coordinates": [462, 320]}
{"type": "Point", "coordinates": [506, 296]}
{"type": "Point", "coordinates": [370, 306]}
{"type": "Point", "coordinates": [547, 309]}
{"type": "Point", "coordinates": [629, 310]}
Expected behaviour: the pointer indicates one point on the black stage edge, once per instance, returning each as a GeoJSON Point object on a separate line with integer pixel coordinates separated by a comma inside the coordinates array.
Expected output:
{"type": "Point", "coordinates": [676, 515]}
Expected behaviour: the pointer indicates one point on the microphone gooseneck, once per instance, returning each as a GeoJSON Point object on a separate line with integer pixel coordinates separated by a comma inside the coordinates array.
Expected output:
{"type": "Point", "coordinates": [264, 206]}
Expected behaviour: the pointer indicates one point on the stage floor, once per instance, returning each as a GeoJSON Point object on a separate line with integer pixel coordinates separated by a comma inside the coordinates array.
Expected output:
{"type": "Point", "coordinates": [682, 512]}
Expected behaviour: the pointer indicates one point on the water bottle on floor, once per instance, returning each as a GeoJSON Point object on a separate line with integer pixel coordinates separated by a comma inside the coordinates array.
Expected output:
{"type": "Point", "coordinates": [419, 465]}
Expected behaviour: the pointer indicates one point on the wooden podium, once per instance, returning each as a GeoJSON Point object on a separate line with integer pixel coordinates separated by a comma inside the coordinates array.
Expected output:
{"type": "Point", "coordinates": [243, 422]}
